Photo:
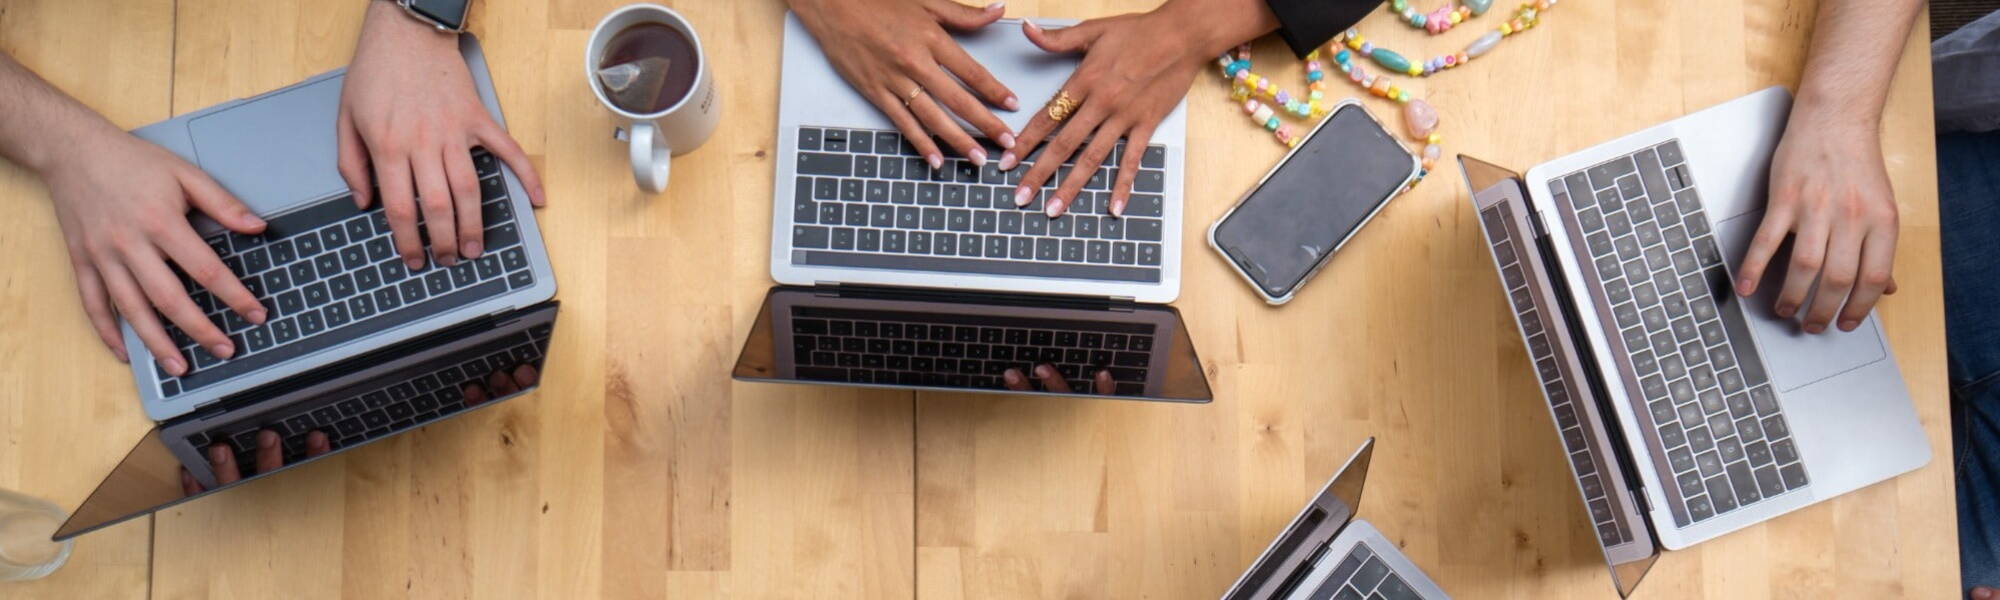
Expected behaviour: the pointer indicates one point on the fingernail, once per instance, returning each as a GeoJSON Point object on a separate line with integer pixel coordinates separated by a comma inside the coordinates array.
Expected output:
{"type": "Point", "coordinates": [1786, 311]}
{"type": "Point", "coordinates": [1023, 195]}
{"type": "Point", "coordinates": [1982, 593]}
{"type": "Point", "coordinates": [1118, 208]}
{"type": "Point", "coordinates": [267, 438]}
{"type": "Point", "coordinates": [222, 350]}
{"type": "Point", "coordinates": [937, 162]}
{"type": "Point", "coordinates": [1849, 325]}
{"type": "Point", "coordinates": [1030, 25]}
{"type": "Point", "coordinates": [978, 157]}
{"type": "Point", "coordinates": [447, 260]}
{"type": "Point", "coordinates": [1008, 161]}
{"type": "Point", "coordinates": [257, 316]}
{"type": "Point", "coordinates": [252, 221]}
{"type": "Point", "coordinates": [415, 264]}
{"type": "Point", "coordinates": [217, 454]}
{"type": "Point", "coordinates": [1042, 370]}
{"type": "Point", "coordinates": [174, 366]}
{"type": "Point", "coordinates": [1011, 103]}
{"type": "Point", "coordinates": [1055, 207]}
{"type": "Point", "coordinates": [1013, 377]}
{"type": "Point", "coordinates": [1743, 285]}
{"type": "Point", "coordinates": [470, 249]}
{"type": "Point", "coordinates": [997, 6]}
{"type": "Point", "coordinates": [1007, 139]}
{"type": "Point", "coordinates": [1815, 328]}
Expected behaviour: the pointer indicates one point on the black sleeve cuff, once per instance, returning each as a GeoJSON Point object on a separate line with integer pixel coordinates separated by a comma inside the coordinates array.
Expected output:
{"type": "Point", "coordinates": [1308, 24]}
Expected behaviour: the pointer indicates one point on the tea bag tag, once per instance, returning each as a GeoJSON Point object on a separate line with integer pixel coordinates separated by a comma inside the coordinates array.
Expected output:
{"type": "Point", "coordinates": [635, 85]}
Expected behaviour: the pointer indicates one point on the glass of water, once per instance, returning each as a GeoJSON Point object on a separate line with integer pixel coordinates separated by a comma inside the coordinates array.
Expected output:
{"type": "Point", "coordinates": [26, 524]}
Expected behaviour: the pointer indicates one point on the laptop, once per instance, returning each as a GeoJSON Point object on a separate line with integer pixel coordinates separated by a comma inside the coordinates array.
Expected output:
{"type": "Point", "coordinates": [439, 375]}
{"type": "Point", "coordinates": [326, 272]}
{"type": "Point", "coordinates": [866, 235]}
{"type": "Point", "coordinates": [1686, 411]}
{"type": "Point", "coordinates": [1327, 553]}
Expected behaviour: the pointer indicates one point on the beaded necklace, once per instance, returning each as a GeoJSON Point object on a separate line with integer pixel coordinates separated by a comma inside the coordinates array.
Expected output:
{"type": "Point", "coordinates": [1440, 20]}
{"type": "Point", "coordinates": [1419, 117]}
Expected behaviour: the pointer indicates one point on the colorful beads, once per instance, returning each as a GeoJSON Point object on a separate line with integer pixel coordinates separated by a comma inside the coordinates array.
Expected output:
{"type": "Point", "coordinates": [1435, 21]}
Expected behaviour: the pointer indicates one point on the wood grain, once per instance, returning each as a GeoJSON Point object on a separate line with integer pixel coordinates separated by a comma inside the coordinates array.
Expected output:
{"type": "Point", "coordinates": [640, 470]}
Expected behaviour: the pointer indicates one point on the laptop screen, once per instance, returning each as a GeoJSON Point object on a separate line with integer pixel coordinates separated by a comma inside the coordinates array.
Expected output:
{"type": "Point", "coordinates": [458, 370]}
{"type": "Point", "coordinates": [1285, 563]}
{"type": "Point", "coordinates": [923, 339]}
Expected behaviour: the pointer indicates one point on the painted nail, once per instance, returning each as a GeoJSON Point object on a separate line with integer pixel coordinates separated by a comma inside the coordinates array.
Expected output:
{"type": "Point", "coordinates": [1030, 25]}
{"type": "Point", "coordinates": [1023, 195]}
{"type": "Point", "coordinates": [1008, 161]}
{"type": "Point", "coordinates": [1849, 325]}
{"type": "Point", "coordinates": [997, 6]}
{"type": "Point", "coordinates": [1011, 103]}
{"type": "Point", "coordinates": [217, 454]}
{"type": "Point", "coordinates": [222, 350]}
{"type": "Point", "coordinates": [1013, 377]}
{"type": "Point", "coordinates": [1118, 208]}
{"type": "Point", "coordinates": [1042, 370]}
{"type": "Point", "coordinates": [257, 316]}
{"type": "Point", "coordinates": [415, 264]}
{"type": "Point", "coordinates": [1007, 140]}
{"type": "Point", "coordinates": [937, 162]}
{"type": "Point", "coordinates": [469, 248]}
{"type": "Point", "coordinates": [978, 157]}
{"type": "Point", "coordinates": [1055, 207]}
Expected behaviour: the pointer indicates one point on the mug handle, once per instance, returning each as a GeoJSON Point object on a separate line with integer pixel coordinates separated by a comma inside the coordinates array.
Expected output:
{"type": "Point", "coordinates": [651, 159]}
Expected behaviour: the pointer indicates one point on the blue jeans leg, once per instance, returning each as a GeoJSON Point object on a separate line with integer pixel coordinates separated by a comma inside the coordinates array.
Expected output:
{"type": "Point", "coordinates": [1969, 215]}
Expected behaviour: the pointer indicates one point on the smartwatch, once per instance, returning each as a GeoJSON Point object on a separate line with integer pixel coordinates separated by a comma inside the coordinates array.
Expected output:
{"type": "Point", "coordinates": [446, 15]}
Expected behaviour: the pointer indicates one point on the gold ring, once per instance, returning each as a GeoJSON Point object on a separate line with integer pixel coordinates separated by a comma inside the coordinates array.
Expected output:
{"type": "Point", "coordinates": [1061, 107]}
{"type": "Point", "coordinates": [912, 96]}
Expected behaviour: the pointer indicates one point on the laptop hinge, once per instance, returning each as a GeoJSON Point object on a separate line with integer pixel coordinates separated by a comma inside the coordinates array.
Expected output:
{"type": "Point", "coordinates": [826, 289]}
{"type": "Point", "coordinates": [840, 290]}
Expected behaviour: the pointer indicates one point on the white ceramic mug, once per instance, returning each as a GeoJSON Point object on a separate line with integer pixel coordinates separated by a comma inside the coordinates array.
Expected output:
{"type": "Point", "coordinates": [659, 136]}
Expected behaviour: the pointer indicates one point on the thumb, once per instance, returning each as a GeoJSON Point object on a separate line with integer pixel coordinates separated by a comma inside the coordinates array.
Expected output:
{"type": "Point", "coordinates": [966, 18]}
{"type": "Point", "coordinates": [1067, 40]}
{"type": "Point", "coordinates": [209, 198]}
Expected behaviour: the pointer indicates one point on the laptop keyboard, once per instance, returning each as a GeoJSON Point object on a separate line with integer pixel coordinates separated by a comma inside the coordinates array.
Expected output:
{"type": "Point", "coordinates": [1362, 575]}
{"type": "Point", "coordinates": [329, 274]}
{"type": "Point", "coordinates": [1612, 528]}
{"type": "Point", "coordinates": [1706, 397]}
{"type": "Point", "coordinates": [888, 347]}
{"type": "Point", "coordinates": [430, 393]}
{"type": "Point", "coordinates": [865, 198]}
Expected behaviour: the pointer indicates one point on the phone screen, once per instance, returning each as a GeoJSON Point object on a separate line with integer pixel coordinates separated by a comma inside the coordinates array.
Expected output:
{"type": "Point", "coordinates": [1311, 203]}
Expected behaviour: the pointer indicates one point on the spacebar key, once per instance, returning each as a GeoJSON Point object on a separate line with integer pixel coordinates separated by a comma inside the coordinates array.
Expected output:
{"type": "Point", "coordinates": [978, 266]}
{"type": "Point", "coordinates": [341, 335]}
{"type": "Point", "coordinates": [1730, 308]}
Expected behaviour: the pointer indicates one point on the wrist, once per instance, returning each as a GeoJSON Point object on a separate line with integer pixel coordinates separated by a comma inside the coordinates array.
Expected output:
{"type": "Point", "coordinates": [388, 22]}
{"type": "Point", "coordinates": [1219, 25]}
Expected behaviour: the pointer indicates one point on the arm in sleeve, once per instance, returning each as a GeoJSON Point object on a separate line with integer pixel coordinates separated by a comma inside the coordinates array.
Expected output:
{"type": "Point", "coordinates": [1307, 24]}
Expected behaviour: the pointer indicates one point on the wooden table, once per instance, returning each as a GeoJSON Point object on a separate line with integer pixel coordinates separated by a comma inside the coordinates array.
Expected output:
{"type": "Point", "coordinates": [640, 469]}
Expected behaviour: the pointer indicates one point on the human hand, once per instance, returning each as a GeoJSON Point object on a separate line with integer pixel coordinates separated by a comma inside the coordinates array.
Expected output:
{"type": "Point", "coordinates": [897, 54]}
{"type": "Point", "coordinates": [1985, 593]}
{"type": "Point", "coordinates": [1052, 381]}
{"type": "Point", "coordinates": [1830, 193]}
{"type": "Point", "coordinates": [1135, 69]}
{"type": "Point", "coordinates": [122, 204]}
{"type": "Point", "coordinates": [270, 456]}
{"type": "Point", "coordinates": [408, 108]}
{"type": "Point", "coordinates": [500, 384]}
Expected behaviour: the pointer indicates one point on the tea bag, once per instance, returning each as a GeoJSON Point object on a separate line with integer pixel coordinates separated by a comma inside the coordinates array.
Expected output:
{"type": "Point", "coordinates": [636, 85]}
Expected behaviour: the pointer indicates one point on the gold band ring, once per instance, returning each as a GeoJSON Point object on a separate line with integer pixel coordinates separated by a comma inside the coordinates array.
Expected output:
{"type": "Point", "coordinates": [1061, 107]}
{"type": "Point", "coordinates": [912, 96]}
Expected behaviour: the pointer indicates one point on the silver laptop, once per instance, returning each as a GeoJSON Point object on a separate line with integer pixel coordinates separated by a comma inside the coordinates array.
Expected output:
{"type": "Point", "coordinates": [853, 204]}
{"type": "Point", "coordinates": [1327, 553]}
{"type": "Point", "coordinates": [1687, 412]}
{"type": "Point", "coordinates": [325, 271]}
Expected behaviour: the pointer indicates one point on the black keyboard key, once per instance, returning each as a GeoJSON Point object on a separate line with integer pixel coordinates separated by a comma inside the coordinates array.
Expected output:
{"type": "Point", "coordinates": [835, 165]}
{"type": "Point", "coordinates": [504, 236]}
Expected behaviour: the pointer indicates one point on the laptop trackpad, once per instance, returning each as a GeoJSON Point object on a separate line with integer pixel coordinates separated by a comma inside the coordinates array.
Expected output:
{"type": "Point", "coordinates": [1794, 358]}
{"type": "Point", "coordinates": [274, 151]}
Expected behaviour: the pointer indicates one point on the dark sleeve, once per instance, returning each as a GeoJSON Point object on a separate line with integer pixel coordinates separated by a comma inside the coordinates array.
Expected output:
{"type": "Point", "coordinates": [1308, 24]}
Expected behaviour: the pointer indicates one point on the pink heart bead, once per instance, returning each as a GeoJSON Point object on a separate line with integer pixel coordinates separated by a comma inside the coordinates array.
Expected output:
{"type": "Point", "coordinates": [1420, 118]}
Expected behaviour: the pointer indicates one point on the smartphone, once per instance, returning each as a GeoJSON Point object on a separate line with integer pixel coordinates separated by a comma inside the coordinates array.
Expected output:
{"type": "Point", "coordinates": [1281, 233]}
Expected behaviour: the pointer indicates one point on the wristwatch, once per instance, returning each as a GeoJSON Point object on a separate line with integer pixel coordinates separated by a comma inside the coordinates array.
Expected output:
{"type": "Point", "coordinates": [445, 15]}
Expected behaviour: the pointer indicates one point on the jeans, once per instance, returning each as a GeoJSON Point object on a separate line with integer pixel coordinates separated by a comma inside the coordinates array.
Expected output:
{"type": "Point", "coordinates": [1969, 210]}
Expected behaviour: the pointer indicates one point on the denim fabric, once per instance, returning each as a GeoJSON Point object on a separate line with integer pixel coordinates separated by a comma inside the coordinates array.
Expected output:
{"type": "Point", "coordinates": [1969, 209]}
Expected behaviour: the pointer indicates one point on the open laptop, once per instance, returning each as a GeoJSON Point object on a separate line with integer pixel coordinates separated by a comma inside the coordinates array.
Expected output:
{"type": "Point", "coordinates": [1687, 412]}
{"type": "Point", "coordinates": [421, 380]}
{"type": "Point", "coordinates": [861, 223]}
{"type": "Point", "coordinates": [326, 272]}
{"type": "Point", "coordinates": [1327, 553]}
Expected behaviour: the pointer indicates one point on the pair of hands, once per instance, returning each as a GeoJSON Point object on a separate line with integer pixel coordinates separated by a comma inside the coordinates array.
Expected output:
{"type": "Point", "coordinates": [900, 55]}
{"type": "Point", "coordinates": [1051, 380]}
{"type": "Point", "coordinates": [408, 110]}
{"type": "Point", "coordinates": [271, 455]}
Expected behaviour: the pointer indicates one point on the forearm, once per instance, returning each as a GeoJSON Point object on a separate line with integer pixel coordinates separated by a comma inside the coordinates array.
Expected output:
{"type": "Point", "coordinates": [1855, 48]}
{"type": "Point", "coordinates": [1216, 26]}
{"type": "Point", "coordinates": [40, 124]}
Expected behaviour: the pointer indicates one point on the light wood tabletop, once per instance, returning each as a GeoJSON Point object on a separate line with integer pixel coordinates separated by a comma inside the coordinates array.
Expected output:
{"type": "Point", "coordinates": [640, 469]}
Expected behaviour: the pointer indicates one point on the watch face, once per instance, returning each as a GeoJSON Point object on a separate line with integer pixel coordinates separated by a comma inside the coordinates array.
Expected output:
{"type": "Point", "coordinates": [449, 13]}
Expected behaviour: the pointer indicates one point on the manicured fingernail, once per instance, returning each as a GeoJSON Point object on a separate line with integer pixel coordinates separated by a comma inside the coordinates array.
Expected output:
{"type": "Point", "coordinates": [252, 221]}
{"type": "Point", "coordinates": [1743, 285]}
{"type": "Point", "coordinates": [1011, 103]}
{"type": "Point", "coordinates": [217, 454]}
{"type": "Point", "coordinates": [174, 366]}
{"type": "Point", "coordinates": [1013, 377]}
{"type": "Point", "coordinates": [415, 264]}
{"type": "Point", "coordinates": [1030, 25]}
{"type": "Point", "coordinates": [978, 157]}
{"type": "Point", "coordinates": [1785, 311]}
{"type": "Point", "coordinates": [1008, 161]}
{"type": "Point", "coordinates": [267, 438]}
{"type": "Point", "coordinates": [1007, 140]}
{"type": "Point", "coordinates": [936, 161]}
{"type": "Point", "coordinates": [1023, 195]}
{"type": "Point", "coordinates": [222, 350]}
{"type": "Point", "coordinates": [257, 316]}
{"type": "Point", "coordinates": [1043, 370]}
{"type": "Point", "coordinates": [470, 249]}
{"type": "Point", "coordinates": [1849, 325]}
{"type": "Point", "coordinates": [997, 6]}
{"type": "Point", "coordinates": [446, 260]}
{"type": "Point", "coordinates": [1118, 208]}
{"type": "Point", "coordinates": [1055, 207]}
{"type": "Point", "coordinates": [1815, 328]}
